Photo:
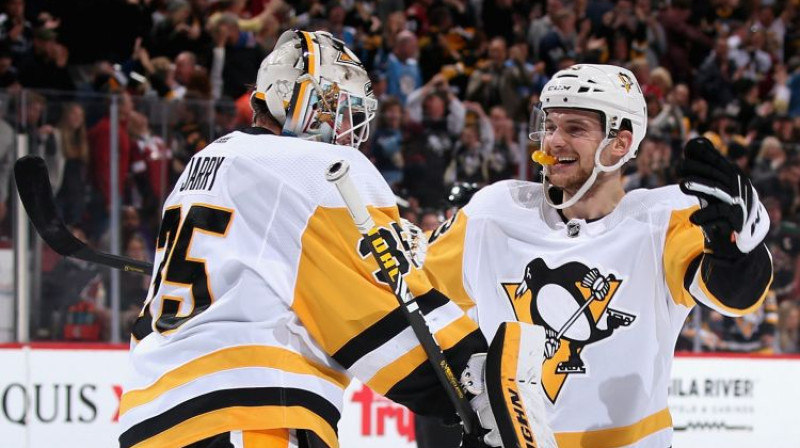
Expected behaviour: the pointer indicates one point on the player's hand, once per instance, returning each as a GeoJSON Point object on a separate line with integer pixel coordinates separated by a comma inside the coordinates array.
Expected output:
{"type": "Point", "coordinates": [414, 242]}
{"type": "Point", "coordinates": [733, 220]}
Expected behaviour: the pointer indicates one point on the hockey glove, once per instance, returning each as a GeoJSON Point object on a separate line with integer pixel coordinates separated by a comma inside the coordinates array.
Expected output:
{"type": "Point", "coordinates": [733, 220]}
{"type": "Point", "coordinates": [414, 242]}
{"type": "Point", "coordinates": [507, 392]}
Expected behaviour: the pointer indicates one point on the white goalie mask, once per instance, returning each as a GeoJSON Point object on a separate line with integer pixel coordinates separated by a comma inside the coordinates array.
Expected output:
{"type": "Point", "coordinates": [611, 91]}
{"type": "Point", "coordinates": [317, 89]}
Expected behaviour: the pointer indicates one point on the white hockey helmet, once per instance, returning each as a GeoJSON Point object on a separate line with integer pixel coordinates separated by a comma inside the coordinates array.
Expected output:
{"type": "Point", "coordinates": [317, 89]}
{"type": "Point", "coordinates": [610, 90]}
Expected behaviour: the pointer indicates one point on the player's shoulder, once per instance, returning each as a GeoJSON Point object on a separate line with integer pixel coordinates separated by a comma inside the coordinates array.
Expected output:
{"type": "Point", "coordinates": [669, 197]}
{"type": "Point", "coordinates": [302, 164]}
{"type": "Point", "coordinates": [498, 198]}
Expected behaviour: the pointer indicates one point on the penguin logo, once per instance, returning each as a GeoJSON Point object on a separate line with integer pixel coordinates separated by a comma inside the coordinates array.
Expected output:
{"type": "Point", "coordinates": [572, 303]}
{"type": "Point", "coordinates": [625, 81]}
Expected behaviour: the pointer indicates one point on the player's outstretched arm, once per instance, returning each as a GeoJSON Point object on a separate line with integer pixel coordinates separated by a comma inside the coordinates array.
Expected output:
{"type": "Point", "coordinates": [736, 269]}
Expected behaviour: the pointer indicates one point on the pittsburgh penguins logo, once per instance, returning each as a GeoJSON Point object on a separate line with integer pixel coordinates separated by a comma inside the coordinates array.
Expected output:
{"type": "Point", "coordinates": [626, 81]}
{"type": "Point", "coordinates": [572, 303]}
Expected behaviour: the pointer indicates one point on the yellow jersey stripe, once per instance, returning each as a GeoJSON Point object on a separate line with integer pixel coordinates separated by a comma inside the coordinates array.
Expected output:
{"type": "Point", "coordinates": [621, 436]}
{"type": "Point", "coordinates": [242, 418]}
{"type": "Point", "coordinates": [723, 307]}
{"type": "Point", "coordinates": [266, 438]}
{"type": "Point", "coordinates": [231, 358]}
{"type": "Point", "coordinates": [393, 373]}
{"type": "Point", "coordinates": [683, 243]}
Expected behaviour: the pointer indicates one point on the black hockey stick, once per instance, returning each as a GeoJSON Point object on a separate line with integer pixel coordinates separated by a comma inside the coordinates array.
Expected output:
{"type": "Point", "coordinates": [338, 173]}
{"type": "Point", "coordinates": [33, 185]}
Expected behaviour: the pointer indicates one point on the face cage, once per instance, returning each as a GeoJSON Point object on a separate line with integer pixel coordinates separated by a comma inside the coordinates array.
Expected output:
{"type": "Point", "coordinates": [353, 116]}
{"type": "Point", "coordinates": [321, 112]}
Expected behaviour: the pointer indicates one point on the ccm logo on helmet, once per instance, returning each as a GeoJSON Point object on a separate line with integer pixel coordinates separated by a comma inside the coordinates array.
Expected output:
{"type": "Point", "coordinates": [557, 88]}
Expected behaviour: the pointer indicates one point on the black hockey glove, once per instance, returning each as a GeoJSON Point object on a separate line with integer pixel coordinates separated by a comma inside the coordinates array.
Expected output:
{"type": "Point", "coordinates": [733, 220]}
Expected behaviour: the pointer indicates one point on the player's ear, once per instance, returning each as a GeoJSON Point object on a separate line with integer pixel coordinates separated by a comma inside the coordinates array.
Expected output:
{"type": "Point", "coordinates": [622, 144]}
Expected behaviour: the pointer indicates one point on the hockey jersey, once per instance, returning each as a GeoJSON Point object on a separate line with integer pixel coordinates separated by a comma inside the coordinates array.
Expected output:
{"type": "Point", "coordinates": [612, 295]}
{"type": "Point", "coordinates": [264, 301]}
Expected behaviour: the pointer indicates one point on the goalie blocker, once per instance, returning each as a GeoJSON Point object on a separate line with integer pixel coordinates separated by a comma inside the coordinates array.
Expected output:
{"type": "Point", "coordinates": [508, 394]}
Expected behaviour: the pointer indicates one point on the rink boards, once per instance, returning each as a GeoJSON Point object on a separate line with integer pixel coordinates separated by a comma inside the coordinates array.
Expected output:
{"type": "Point", "coordinates": [68, 396]}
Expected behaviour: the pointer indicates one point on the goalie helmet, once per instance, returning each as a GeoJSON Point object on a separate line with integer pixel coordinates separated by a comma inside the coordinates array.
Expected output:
{"type": "Point", "coordinates": [611, 91]}
{"type": "Point", "coordinates": [317, 89]}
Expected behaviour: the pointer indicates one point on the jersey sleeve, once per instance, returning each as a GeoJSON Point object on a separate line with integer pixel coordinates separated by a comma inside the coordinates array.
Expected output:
{"type": "Point", "coordinates": [444, 262]}
{"type": "Point", "coordinates": [733, 288]}
{"type": "Point", "coordinates": [356, 319]}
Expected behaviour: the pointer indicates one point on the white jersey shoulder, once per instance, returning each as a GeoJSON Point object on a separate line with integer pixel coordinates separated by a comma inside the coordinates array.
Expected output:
{"type": "Point", "coordinates": [297, 163]}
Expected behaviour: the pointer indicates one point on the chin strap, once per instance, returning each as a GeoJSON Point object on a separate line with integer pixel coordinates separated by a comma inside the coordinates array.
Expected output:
{"type": "Point", "coordinates": [598, 168]}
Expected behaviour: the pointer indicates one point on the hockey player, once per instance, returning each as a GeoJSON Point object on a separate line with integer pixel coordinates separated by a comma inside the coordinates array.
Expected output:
{"type": "Point", "coordinates": [264, 300]}
{"type": "Point", "coordinates": [610, 276]}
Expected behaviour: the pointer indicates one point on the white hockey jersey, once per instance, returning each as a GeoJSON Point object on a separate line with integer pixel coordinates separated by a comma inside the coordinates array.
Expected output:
{"type": "Point", "coordinates": [264, 303]}
{"type": "Point", "coordinates": [612, 295]}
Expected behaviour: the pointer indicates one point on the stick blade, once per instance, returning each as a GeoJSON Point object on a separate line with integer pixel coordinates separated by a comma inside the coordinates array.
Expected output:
{"type": "Point", "coordinates": [33, 186]}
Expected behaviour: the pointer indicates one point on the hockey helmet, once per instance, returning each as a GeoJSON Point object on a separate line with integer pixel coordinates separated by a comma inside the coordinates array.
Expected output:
{"type": "Point", "coordinates": [611, 91]}
{"type": "Point", "coordinates": [317, 89]}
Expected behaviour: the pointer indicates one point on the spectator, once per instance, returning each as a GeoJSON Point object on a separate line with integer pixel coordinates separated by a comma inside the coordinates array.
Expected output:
{"type": "Point", "coordinates": [501, 80]}
{"type": "Point", "coordinates": [403, 75]}
{"type": "Point", "coordinates": [783, 240]}
{"type": "Point", "coordinates": [191, 132]}
{"type": "Point", "coordinates": [46, 66]}
{"type": "Point", "coordinates": [441, 116]}
{"type": "Point", "coordinates": [9, 76]}
{"type": "Point", "coordinates": [771, 156]}
{"type": "Point", "coordinates": [69, 282]}
{"type": "Point", "coordinates": [175, 33]}
{"type": "Point", "coordinates": [750, 58]}
{"type": "Point", "coordinates": [751, 333]}
{"type": "Point", "coordinates": [163, 79]}
{"type": "Point", "coordinates": [151, 160]}
{"type": "Point", "coordinates": [133, 287]}
{"type": "Point", "coordinates": [15, 30]}
{"type": "Point", "coordinates": [714, 80]}
{"type": "Point", "coordinates": [388, 140]}
{"type": "Point", "coordinates": [429, 220]}
{"type": "Point", "coordinates": [560, 42]}
{"type": "Point", "coordinates": [505, 155]}
{"type": "Point", "coordinates": [236, 56]}
{"type": "Point", "coordinates": [336, 26]}
{"type": "Point", "coordinates": [74, 190]}
{"type": "Point", "coordinates": [471, 152]}
{"type": "Point", "coordinates": [789, 333]}
{"type": "Point", "coordinates": [542, 26]}
{"type": "Point", "coordinates": [651, 164]}
{"type": "Point", "coordinates": [783, 185]}
{"type": "Point", "coordinates": [100, 147]}
{"type": "Point", "coordinates": [682, 40]}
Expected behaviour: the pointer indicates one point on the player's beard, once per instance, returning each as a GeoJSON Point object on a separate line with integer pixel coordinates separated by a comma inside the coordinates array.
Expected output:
{"type": "Point", "coordinates": [570, 183]}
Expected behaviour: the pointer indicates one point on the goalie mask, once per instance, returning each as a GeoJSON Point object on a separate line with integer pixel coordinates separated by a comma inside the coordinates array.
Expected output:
{"type": "Point", "coordinates": [611, 91]}
{"type": "Point", "coordinates": [317, 89]}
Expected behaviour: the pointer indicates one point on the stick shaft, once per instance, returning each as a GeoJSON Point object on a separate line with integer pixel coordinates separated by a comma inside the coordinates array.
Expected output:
{"type": "Point", "coordinates": [338, 173]}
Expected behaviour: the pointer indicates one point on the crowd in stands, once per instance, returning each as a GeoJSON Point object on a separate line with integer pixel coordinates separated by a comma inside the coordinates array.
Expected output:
{"type": "Point", "coordinates": [456, 80]}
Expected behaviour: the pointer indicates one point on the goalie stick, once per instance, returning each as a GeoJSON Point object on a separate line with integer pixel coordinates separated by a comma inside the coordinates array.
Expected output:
{"type": "Point", "coordinates": [338, 174]}
{"type": "Point", "coordinates": [33, 186]}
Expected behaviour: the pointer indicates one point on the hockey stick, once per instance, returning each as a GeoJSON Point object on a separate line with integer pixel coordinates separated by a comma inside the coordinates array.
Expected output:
{"type": "Point", "coordinates": [33, 185]}
{"type": "Point", "coordinates": [338, 173]}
